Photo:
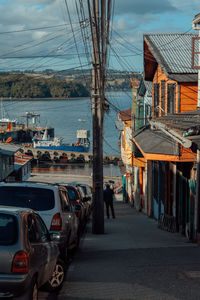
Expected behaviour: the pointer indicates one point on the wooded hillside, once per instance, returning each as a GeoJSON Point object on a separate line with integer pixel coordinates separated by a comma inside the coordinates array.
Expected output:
{"type": "Point", "coordinates": [23, 86]}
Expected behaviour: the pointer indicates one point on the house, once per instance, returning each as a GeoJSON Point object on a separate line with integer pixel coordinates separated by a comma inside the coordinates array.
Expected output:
{"type": "Point", "coordinates": [14, 165]}
{"type": "Point", "coordinates": [133, 119]}
{"type": "Point", "coordinates": [167, 63]}
{"type": "Point", "coordinates": [124, 118]}
{"type": "Point", "coordinates": [22, 167]}
{"type": "Point", "coordinates": [167, 179]}
{"type": "Point", "coordinates": [141, 111]}
{"type": "Point", "coordinates": [7, 153]}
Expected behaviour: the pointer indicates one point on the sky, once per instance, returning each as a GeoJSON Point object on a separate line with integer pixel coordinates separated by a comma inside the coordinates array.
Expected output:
{"type": "Point", "coordinates": [46, 34]}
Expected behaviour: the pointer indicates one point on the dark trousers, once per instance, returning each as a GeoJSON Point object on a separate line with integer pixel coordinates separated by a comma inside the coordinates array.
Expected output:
{"type": "Point", "coordinates": [109, 205]}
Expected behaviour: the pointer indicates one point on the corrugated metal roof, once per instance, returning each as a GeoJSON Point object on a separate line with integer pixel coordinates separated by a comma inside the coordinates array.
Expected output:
{"type": "Point", "coordinates": [172, 50]}
{"type": "Point", "coordinates": [183, 123]}
{"type": "Point", "coordinates": [125, 115]}
{"type": "Point", "coordinates": [21, 159]}
{"type": "Point", "coordinates": [8, 148]}
{"type": "Point", "coordinates": [155, 142]}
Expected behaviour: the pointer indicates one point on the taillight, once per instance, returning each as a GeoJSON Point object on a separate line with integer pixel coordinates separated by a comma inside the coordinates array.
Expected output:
{"type": "Point", "coordinates": [56, 223]}
{"type": "Point", "coordinates": [77, 213]}
{"type": "Point", "coordinates": [20, 262]}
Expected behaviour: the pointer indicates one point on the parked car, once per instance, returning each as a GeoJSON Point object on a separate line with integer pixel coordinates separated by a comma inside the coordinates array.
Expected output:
{"type": "Point", "coordinates": [85, 200]}
{"type": "Point", "coordinates": [76, 202]}
{"type": "Point", "coordinates": [52, 203]}
{"type": "Point", "coordinates": [29, 258]}
{"type": "Point", "coordinates": [87, 190]}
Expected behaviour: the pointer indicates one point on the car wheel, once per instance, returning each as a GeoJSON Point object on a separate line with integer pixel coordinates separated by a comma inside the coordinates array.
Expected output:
{"type": "Point", "coordinates": [34, 295]}
{"type": "Point", "coordinates": [57, 278]}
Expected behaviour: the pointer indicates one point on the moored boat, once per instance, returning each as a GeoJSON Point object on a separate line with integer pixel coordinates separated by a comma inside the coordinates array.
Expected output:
{"type": "Point", "coordinates": [44, 142]}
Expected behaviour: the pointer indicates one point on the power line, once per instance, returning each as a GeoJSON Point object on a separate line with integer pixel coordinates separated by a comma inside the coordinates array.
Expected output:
{"type": "Point", "coordinates": [72, 29]}
{"type": "Point", "coordinates": [33, 29]}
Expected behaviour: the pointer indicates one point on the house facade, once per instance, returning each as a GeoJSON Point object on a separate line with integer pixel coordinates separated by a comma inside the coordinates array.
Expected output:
{"type": "Point", "coordinates": [14, 165]}
{"type": "Point", "coordinates": [166, 183]}
{"type": "Point", "coordinates": [7, 153]}
{"type": "Point", "coordinates": [167, 64]}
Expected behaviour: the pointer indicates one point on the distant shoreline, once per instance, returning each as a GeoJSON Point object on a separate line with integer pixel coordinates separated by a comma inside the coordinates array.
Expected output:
{"type": "Point", "coordinates": [44, 99]}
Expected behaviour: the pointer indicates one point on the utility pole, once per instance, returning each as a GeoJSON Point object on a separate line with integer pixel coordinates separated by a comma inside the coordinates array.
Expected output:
{"type": "Point", "coordinates": [97, 114]}
{"type": "Point", "coordinates": [99, 23]}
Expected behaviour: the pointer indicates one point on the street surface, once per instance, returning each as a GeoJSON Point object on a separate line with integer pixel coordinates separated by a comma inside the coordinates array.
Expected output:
{"type": "Point", "coordinates": [132, 260]}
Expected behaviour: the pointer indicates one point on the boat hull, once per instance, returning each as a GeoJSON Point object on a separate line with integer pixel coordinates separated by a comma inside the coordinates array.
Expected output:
{"type": "Point", "coordinates": [79, 148]}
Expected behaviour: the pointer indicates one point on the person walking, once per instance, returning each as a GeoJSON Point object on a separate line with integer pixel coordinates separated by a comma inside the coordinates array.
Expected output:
{"type": "Point", "coordinates": [108, 199]}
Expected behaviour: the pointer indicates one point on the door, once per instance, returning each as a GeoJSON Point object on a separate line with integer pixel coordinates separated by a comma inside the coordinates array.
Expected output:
{"type": "Point", "coordinates": [52, 249]}
{"type": "Point", "coordinates": [67, 218]}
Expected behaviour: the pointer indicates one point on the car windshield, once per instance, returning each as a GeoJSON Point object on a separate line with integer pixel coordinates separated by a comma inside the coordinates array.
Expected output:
{"type": "Point", "coordinates": [8, 230]}
{"type": "Point", "coordinates": [84, 189]}
{"type": "Point", "coordinates": [71, 194]}
{"type": "Point", "coordinates": [30, 197]}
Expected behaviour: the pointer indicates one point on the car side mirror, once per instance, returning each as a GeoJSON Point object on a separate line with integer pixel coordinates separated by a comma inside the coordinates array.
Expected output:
{"type": "Point", "coordinates": [54, 236]}
{"type": "Point", "coordinates": [77, 207]}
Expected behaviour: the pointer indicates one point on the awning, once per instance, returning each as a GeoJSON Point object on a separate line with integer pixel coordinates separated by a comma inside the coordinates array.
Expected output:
{"type": "Point", "coordinates": [156, 145]}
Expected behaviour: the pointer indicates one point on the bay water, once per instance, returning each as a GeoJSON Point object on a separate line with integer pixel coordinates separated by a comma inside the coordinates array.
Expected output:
{"type": "Point", "coordinates": [67, 116]}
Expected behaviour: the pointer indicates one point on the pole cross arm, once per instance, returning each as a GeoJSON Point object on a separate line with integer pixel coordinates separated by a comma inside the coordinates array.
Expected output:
{"type": "Point", "coordinates": [186, 143]}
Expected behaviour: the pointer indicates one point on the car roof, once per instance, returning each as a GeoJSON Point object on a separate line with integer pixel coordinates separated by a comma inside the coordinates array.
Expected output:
{"type": "Point", "coordinates": [30, 184]}
{"type": "Point", "coordinates": [14, 210]}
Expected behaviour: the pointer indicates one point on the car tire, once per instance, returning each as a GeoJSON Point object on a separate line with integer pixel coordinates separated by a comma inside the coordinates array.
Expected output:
{"type": "Point", "coordinates": [57, 278]}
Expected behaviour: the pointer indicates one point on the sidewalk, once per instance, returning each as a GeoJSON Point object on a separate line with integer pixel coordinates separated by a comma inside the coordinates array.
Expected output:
{"type": "Point", "coordinates": [132, 260]}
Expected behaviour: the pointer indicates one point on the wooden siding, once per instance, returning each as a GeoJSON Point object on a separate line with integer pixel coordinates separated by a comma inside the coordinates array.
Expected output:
{"type": "Point", "coordinates": [188, 96]}
{"type": "Point", "coordinates": [160, 77]}
{"type": "Point", "coordinates": [138, 161]}
{"type": "Point", "coordinates": [185, 94]}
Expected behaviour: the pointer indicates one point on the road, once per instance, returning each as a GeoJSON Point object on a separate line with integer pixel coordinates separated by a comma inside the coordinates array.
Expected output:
{"type": "Point", "coordinates": [132, 260]}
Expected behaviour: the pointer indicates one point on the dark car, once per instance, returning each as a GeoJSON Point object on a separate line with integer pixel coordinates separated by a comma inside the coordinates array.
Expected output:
{"type": "Point", "coordinates": [76, 201]}
{"type": "Point", "coordinates": [29, 258]}
{"type": "Point", "coordinates": [85, 199]}
{"type": "Point", "coordinates": [87, 195]}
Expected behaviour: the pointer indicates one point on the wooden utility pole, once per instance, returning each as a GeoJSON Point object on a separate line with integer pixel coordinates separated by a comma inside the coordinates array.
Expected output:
{"type": "Point", "coordinates": [97, 114]}
{"type": "Point", "coordinates": [100, 38]}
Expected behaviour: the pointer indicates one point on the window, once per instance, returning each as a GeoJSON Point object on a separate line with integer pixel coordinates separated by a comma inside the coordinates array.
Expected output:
{"type": "Point", "coordinates": [64, 201]}
{"type": "Point", "coordinates": [171, 98]}
{"type": "Point", "coordinates": [30, 197]}
{"type": "Point", "coordinates": [8, 229]}
{"type": "Point", "coordinates": [42, 228]}
{"type": "Point", "coordinates": [72, 194]}
{"type": "Point", "coordinates": [163, 84]}
{"type": "Point", "coordinates": [156, 88]}
{"type": "Point", "coordinates": [33, 234]}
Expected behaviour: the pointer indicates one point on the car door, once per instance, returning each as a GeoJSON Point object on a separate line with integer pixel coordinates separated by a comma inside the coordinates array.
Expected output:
{"type": "Point", "coordinates": [67, 216]}
{"type": "Point", "coordinates": [52, 249]}
{"type": "Point", "coordinates": [39, 252]}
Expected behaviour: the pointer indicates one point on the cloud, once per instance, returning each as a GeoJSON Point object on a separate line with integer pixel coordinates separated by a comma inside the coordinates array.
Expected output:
{"type": "Point", "coordinates": [33, 2]}
{"type": "Point", "coordinates": [143, 7]}
{"type": "Point", "coordinates": [186, 5]}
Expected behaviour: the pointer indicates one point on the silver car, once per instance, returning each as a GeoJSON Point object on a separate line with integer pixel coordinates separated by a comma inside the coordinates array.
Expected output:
{"type": "Point", "coordinates": [29, 258]}
{"type": "Point", "coordinates": [52, 204]}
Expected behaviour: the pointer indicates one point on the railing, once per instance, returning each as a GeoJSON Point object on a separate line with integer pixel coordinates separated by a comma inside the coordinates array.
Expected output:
{"type": "Point", "coordinates": [167, 223]}
{"type": "Point", "coordinates": [70, 171]}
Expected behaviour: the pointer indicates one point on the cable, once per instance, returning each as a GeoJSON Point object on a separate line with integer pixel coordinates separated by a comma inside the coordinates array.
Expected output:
{"type": "Point", "coordinates": [33, 29]}
{"type": "Point", "coordinates": [74, 38]}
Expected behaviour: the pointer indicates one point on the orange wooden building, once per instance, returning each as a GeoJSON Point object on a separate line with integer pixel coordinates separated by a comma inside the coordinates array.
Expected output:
{"type": "Point", "coordinates": [170, 158]}
{"type": "Point", "coordinates": [168, 64]}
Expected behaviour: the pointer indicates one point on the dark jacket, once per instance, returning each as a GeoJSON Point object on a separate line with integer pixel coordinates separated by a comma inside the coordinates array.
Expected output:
{"type": "Point", "coordinates": [108, 195]}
